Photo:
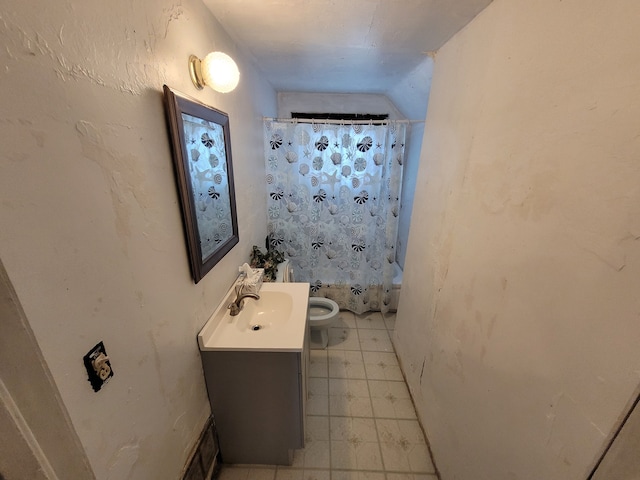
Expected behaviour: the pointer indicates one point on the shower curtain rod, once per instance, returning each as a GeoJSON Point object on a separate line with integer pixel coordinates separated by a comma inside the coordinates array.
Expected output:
{"type": "Point", "coordinates": [339, 122]}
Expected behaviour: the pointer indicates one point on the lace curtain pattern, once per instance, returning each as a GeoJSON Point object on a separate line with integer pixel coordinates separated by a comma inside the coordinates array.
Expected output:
{"type": "Point", "coordinates": [333, 205]}
{"type": "Point", "coordinates": [210, 181]}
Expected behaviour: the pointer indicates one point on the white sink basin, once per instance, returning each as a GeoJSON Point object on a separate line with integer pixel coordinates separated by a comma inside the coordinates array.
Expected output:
{"type": "Point", "coordinates": [275, 322]}
{"type": "Point", "coordinates": [272, 310]}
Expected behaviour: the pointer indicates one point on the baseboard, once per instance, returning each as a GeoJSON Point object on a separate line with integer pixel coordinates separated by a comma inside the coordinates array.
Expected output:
{"type": "Point", "coordinates": [203, 463]}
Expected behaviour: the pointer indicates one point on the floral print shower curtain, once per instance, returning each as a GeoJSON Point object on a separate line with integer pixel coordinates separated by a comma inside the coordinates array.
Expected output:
{"type": "Point", "coordinates": [333, 205]}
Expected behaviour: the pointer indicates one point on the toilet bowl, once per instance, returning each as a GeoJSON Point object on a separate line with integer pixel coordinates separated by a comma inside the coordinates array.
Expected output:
{"type": "Point", "coordinates": [322, 311]}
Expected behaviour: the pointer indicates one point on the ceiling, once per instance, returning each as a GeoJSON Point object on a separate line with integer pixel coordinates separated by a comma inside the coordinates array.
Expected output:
{"type": "Point", "coordinates": [345, 46]}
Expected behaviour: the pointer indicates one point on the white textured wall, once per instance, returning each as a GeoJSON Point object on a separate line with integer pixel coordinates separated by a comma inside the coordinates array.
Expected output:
{"type": "Point", "coordinates": [411, 96]}
{"type": "Point", "coordinates": [92, 237]}
{"type": "Point", "coordinates": [335, 103]}
{"type": "Point", "coordinates": [519, 322]}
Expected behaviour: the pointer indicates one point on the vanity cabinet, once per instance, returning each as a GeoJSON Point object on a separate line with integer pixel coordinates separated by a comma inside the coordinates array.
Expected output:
{"type": "Point", "coordinates": [258, 400]}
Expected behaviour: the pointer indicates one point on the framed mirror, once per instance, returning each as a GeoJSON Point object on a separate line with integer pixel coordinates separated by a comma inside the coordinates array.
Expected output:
{"type": "Point", "coordinates": [201, 146]}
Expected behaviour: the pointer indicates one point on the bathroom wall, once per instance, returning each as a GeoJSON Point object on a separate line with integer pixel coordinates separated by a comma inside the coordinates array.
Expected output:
{"type": "Point", "coordinates": [411, 97]}
{"type": "Point", "coordinates": [37, 438]}
{"type": "Point", "coordinates": [336, 103]}
{"type": "Point", "coordinates": [518, 323]}
{"type": "Point", "coordinates": [92, 236]}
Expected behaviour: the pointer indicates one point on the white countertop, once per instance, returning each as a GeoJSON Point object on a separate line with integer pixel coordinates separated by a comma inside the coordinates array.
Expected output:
{"type": "Point", "coordinates": [281, 312]}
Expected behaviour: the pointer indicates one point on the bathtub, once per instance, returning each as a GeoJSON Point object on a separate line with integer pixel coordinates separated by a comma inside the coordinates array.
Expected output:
{"type": "Point", "coordinates": [285, 273]}
{"type": "Point", "coordinates": [395, 289]}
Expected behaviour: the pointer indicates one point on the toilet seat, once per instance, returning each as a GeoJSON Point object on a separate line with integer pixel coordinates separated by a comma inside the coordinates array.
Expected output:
{"type": "Point", "coordinates": [324, 305]}
{"type": "Point", "coordinates": [322, 311]}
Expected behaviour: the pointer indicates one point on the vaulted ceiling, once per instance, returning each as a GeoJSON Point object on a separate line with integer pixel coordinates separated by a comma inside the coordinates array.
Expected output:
{"type": "Point", "coordinates": [345, 46]}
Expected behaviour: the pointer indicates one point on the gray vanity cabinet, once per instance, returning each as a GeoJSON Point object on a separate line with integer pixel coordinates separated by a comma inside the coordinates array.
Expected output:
{"type": "Point", "coordinates": [258, 402]}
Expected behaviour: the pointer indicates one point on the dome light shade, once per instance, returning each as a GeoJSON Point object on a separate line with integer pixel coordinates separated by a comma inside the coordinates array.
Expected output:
{"type": "Point", "coordinates": [217, 70]}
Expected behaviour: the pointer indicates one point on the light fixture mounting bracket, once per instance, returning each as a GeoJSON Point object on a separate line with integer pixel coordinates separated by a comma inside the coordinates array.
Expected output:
{"type": "Point", "coordinates": [195, 72]}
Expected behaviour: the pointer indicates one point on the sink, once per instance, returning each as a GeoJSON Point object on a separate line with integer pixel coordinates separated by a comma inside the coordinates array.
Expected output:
{"type": "Point", "coordinates": [275, 322]}
{"type": "Point", "coordinates": [272, 310]}
{"type": "Point", "coordinates": [256, 378]}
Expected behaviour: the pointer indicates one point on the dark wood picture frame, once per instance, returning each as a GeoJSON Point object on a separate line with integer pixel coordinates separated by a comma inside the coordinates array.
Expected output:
{"type": "Point", "coordinates": [207, 241]}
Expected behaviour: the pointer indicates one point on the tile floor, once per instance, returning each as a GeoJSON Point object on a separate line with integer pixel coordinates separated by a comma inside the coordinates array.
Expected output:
{"type": "Point", "coordinates": [361, 424]}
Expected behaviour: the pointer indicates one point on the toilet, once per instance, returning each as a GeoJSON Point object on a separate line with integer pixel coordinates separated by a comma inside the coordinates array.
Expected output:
{"type": "Point", "coordinates": [323, 312]}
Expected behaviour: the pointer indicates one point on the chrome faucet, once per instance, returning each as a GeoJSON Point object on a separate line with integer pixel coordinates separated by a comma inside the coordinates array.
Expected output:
{"type": "Point", "coordinates": [236, 307]}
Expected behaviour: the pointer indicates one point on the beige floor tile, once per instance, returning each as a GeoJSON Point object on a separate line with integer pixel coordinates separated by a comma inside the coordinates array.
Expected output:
{"type": "Point", "coordinates": [346, 319]}
{"type": "Point", "coordinates": [390, 320]}
{"type": "Point", "coordinates": [411, 476]}
{"type": "Point", "coordinates": [347, 428]}
{"type": "Point", "coordinates": [353, 406]}
{"type": "Point", "coordinates": [317, 428]}
{"type": "Point", "coordinates": [315, 454]}
{"type": "Point", "coordinates": [349, 397]}
{"type": "Point", "coordinates": [318, 366]}
{"type": "Point", "coordinates": [233, 473]}
{"type": "Point", "coordinates": [318, 405]}
{"type": "Point", "coordinates": [371, 320]}
{"type": "Point", "coordinates": [356, 475]}
{"type": "Point", "coordinates": [391, 400]}
{"type": "Point", "coordinates": [318, 386]}
{"type": "Point", "coordinates": [247, 473]}
{"type": "Point", "coordinates": [316, 475]}
{"type": "Point", "coordinates": [289, 473]}
{"type": "Point", "coordinates": [400, 431]}
{"type": "Point", "coordinates": [318, 396]}
{"type": "Point", "coordinates": [343, 339]}
{"type": "Point", "coordinates": [346, 364]}
{"type": "Point", "coordinates": [298, 458]}
{"type": "Point", "coordinates": [403, 446]}
{"type": "Point", "coordinates": [406, 458]}
{"type": "Point", "coordinates": [355, 455]}
{"type": "Point", "coordinates": [375, 341]}
{"type": "Point", "coordinates": [382, 366]}
{"type": "Point", "coordinates": [420, 460]}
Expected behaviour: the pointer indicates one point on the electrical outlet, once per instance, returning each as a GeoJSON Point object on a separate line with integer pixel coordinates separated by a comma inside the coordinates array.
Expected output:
{"type": "Point", "coordinates": [98, 366]}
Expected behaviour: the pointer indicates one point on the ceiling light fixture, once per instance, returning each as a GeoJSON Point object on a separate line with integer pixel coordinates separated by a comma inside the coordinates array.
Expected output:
{"type": "Point", "coordinates": [217, 70]}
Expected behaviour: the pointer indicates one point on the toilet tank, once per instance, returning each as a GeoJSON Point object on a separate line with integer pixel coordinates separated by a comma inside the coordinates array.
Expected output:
{"type": "Point", "coordinates": [285, 272]}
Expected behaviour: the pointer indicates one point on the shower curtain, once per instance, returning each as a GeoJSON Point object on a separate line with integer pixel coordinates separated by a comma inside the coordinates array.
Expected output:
{"type": "Point", "coordinates": [333, 205]}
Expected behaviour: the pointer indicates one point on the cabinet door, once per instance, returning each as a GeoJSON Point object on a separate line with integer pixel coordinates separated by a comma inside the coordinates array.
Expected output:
{"type": "Point", "coordinates": [304, 375]}
{"type": "Point", "coordinates": [256, 401]}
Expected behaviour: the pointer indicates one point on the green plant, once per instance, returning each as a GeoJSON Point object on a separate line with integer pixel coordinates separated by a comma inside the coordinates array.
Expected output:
{"type": "Point", "coordinates": [269, 261]}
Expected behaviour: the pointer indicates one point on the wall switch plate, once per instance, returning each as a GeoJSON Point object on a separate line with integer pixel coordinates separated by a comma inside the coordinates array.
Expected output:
{"type": "Point", "coordinates": [98, 366]}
